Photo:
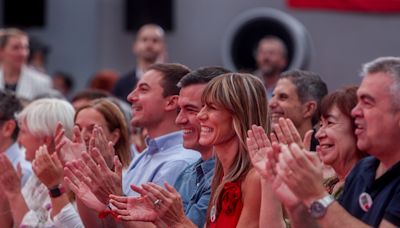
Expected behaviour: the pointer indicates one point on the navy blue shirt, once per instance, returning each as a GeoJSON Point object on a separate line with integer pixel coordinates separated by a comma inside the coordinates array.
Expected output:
{"type": "Point", "coordinates": [194, 186]}
{"type": "Point", "coordinates": [384, 192]}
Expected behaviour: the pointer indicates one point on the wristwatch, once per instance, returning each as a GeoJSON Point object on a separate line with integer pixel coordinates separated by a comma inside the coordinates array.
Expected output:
{"type": "Point", "coordinates": [56, 191]}
{"type": "Point", "coordinates": [318, 208]}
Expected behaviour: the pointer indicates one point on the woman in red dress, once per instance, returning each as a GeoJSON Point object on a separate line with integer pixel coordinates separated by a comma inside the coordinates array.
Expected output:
{"type": "Point", "coordinates": [232, 104]}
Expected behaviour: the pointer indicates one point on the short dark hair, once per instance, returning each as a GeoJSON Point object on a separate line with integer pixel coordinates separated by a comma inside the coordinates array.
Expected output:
{"type": "Point", "coordinates": [10, 105]}
{"type": "Point", "coordinates": [202, 75]}
{"type": "Point", "coordinates": [309, 87]}
{"type": "Point", "coordinates": [172, 73]}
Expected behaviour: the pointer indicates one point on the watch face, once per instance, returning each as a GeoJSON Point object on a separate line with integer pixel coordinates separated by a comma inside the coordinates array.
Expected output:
{"type": "Point", "coordinates": [317, 210]}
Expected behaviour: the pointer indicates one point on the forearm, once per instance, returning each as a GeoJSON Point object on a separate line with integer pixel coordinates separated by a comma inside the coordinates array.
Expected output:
{"type": "Point", "coordinates": [18, 208]}
{"type": "Point", "coordinates": [300, 217]}
{"type": "Point", "coordinates": [90, 217]}
{"type": "Point", "coordinates": [337, 217]}
{"type": "Point", "coordinates": [5, 213]}
{"type": "Point", "coordinates": [57, 204]}
{"type": "Point", "coordinates": [271, 210]}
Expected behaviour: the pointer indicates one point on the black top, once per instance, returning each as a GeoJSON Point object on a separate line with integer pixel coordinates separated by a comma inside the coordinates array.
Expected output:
{"type": "Point", "coordinates": [384, 193]}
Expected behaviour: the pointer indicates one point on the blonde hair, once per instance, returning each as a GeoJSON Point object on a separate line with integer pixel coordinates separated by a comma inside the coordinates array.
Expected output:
{"type": "Point", "coordinates": [244, 96]}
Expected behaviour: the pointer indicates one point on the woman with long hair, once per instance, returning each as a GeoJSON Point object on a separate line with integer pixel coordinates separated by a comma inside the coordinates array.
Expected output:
{"type": "Point", "coordinates": [232, 104]}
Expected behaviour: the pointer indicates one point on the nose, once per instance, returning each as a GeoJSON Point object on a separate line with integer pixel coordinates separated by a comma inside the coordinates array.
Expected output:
{"type": "Point", "coordinates": [202, 114]}
{"type": "Point", "coordinates": [181, 118]}
{"type": "Point", "coordinates": [356, 111]}
{"type": "Point", "coordinates": [132, 96]}
{"type": "Point", "coordinates": [272, 103]}
{"type": "Point", "coordinates": [86, 134]}
{"type": "Point", "coordinates": [320, 133]}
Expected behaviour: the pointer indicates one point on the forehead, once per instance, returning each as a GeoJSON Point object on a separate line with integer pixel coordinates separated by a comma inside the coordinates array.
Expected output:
{"type": "Point", "coordinates": [152, 78]}
{"type": "Point", "coordinates": [90, 114]}
{"type": "Point", "coordinates": [191, 94]}
{"type": "Point", "coordinates": [270, 45]}
{"type": "Point", "coordinates": [377, 85]}
{"type": "Point", "coordinates": [16, 39]}
{"type": "Point", "coordinates": [150, 32]}
{"type": "Point", "coordinates": [286, 86]}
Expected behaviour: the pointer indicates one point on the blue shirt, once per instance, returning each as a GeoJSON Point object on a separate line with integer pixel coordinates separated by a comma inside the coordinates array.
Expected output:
{"type": "Point", "coordinates": [384, 193]}
{"type": "Point", "coordinates": [162, 161]}
{"type": "Point", "coordinates": [16, 155]}
{"type": "Point", "coordinates": [194, 186]}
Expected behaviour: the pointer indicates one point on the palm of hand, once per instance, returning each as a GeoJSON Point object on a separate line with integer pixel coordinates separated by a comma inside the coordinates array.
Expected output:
{"type": "Point", "coordinates": [141, 209]}
{"type": "Point", "coordinates": [284, 194]}
{"type": "Point", "coordinates": [258, 158]}
{"type": "Point", "coordinates": [71, 150]}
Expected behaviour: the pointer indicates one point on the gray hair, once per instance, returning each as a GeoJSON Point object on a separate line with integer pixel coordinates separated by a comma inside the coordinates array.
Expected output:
{"type": "Point", "coordinates": [309, 87]}
{"type": "Point", "coordinates": [41, 116]}
{"type": "Point", "coordinates": [389, 66]}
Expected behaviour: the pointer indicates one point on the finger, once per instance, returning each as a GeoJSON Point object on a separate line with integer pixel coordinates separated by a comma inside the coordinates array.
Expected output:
{"type": "Point", "coordinates": [279, 134]}
{"type": "Point", "coordinates": [170, 188]}
{"type": "Point", "coordinates": [293, 131]}
{"type": "Point", "coordinates": [120, 199]}
{"type": "Point", "coordinates": [77, 136]}
{"type": "Point", "coordinates": [19, 170]}
{"type": "Point", "coordinates": [98, 158]}
{"type": "Point", "coordinates": [117, 167]}
{"type": "Point", "coordinates": [139, 190]}
{"type": "Point", "coordinates": [274, 139]}
{"type": "Point", "coordinates": [56, 161]}
{"type": "Point", "coordinates": [260, 136]}
{"type": "Point", "coordinates": [154, 191]}
{"type": "Point", "coordinates": [92, 143]}
{"type": "Point", "coordinates": [160, 189]}
{"type": "Point", "coordinates": [119, 205]}
{"type": "Point", "coordinates": [286, 130]}
{"type": "Point", "coordinates": [71, 185]}
{"type": "Point", "coordinates": [307, 139]}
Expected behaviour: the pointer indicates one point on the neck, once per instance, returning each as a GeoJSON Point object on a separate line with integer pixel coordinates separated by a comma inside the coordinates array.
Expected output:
{"type": "Point", "coordinates": [343, 169]}
{"type": "Point", "coordinates": [226, 153]}
{"type": "Point", "coordinates": [11, 75]}
{"type": "Point", "coordinates": [164, 127]}
{"type": "Point", "coordinates": [387, 161]}
{"type": "Point", "coordinates": [206, 153]}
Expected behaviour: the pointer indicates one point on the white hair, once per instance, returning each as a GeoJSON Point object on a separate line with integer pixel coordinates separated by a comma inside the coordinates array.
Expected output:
{"type": "Point", "coordinates": [41, 116]}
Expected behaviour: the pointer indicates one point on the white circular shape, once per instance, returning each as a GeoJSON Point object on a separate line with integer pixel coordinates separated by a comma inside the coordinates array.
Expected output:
{"type": "Point", "coordinates": [302, 44]}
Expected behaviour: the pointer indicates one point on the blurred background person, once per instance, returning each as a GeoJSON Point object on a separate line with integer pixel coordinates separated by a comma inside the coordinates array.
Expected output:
{"type": "Point", "coordinates": [104, 80]}
{"type": "Point", "coordinates": [14, 73]}
{"type": "Point", "coordinates": [63, 82]}
{"type": "Point", "coordinates": [271, 60]}
{"type": "Point", "coordinates": [148, 48]}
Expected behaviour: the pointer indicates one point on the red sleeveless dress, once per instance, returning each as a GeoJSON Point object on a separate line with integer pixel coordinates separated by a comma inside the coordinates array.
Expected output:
{"type": "Point", "coordinates": [231, 206]}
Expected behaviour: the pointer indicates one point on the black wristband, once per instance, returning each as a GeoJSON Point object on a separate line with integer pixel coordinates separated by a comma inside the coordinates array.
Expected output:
{"type": "Point", "coordinates": [56, 191]}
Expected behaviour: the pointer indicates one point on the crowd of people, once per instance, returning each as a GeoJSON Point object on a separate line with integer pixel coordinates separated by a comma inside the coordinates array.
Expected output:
{"type": "Point", "coordinates": [198, 148]}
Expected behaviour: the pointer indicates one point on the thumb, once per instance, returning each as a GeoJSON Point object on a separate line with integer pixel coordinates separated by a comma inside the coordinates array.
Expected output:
{"type": "Point", "coordinates": [19, 170]}
{"type": "Point", "coordinates": [307, 139]}
{"type": "Point", "coordinates": [117, 166]}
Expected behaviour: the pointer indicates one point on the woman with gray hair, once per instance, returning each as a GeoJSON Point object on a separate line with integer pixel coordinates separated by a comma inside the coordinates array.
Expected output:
{"type": "Point", "coordinates": [30, 206]}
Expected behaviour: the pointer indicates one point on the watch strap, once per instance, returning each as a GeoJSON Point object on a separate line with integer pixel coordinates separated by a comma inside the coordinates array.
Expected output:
{"type": "Point", "coordinates": [56, 191]}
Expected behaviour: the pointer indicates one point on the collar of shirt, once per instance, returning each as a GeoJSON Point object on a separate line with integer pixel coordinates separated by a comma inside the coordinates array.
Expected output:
{"type": "Point", "coordinates": [203, 167]}
{"type": "Point", "coordinates": [163, 142]}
